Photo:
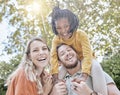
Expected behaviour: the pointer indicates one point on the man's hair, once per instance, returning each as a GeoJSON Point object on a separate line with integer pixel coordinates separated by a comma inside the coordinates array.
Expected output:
{"type": "Point", "coordinates": [64, 13]}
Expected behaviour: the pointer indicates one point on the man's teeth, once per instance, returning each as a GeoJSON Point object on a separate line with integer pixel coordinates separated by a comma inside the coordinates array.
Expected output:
{"type": "Point", "coordinates": [70, 58]}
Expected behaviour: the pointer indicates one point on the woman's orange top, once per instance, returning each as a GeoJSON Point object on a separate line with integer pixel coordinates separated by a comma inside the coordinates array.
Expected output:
{"type": "Point", "coordinates": [20, 85]}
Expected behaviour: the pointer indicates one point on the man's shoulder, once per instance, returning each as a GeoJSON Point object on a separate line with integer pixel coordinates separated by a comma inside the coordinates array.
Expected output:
{"type": "Point", "coordinates": [62, 72]}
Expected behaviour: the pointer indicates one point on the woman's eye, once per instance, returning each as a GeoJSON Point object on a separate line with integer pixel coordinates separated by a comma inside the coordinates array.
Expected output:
{"type": "Point", "coordinates": [35, 50]}
{"type": "Point", "coordinates": [58, 28]}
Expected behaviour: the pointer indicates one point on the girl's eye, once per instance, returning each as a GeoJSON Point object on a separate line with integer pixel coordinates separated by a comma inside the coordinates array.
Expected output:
{"type": "Point", "coordinates": [66, 26]}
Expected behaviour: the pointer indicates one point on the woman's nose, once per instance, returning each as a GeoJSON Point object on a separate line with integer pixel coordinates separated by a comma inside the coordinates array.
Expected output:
{"type": "Point", "coordinates": [40, 51]}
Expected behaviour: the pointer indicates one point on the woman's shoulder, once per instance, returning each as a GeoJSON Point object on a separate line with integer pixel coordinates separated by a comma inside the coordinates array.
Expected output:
{"type": "Point", "coordinates": [17, 76]}
{"type": "Point", "coordinates": [20, 72]}
{"type": "Point", "coordinates": [20, 75]}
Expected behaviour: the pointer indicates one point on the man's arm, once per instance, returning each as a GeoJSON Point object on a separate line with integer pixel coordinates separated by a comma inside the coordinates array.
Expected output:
{"type": "Point", "coordinates": [112, 89]}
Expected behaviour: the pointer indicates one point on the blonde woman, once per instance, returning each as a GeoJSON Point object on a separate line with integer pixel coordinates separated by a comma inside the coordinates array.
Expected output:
{"type": "Point", "coordinates": [30, 78]}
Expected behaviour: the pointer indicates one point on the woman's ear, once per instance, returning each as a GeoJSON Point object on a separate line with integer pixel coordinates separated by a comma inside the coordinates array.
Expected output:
{"type": "Point", "coordinates": [29, 56]}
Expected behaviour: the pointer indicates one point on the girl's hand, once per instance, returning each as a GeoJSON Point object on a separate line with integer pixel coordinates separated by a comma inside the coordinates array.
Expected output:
{"type": "Point", "coordinates": [81, 88]}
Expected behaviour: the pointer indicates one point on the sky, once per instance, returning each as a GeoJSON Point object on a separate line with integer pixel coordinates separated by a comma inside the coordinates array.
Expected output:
{"type": "Point", "coordinates": [3, 34]}
{"type": "Point", "coordinates": [4, 31]}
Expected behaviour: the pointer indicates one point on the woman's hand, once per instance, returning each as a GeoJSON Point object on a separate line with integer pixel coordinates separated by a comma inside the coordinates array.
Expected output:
{"type": "Point", "coordinates": [59, 89]}
{"type": "Point", "coordinates": [47, 83]}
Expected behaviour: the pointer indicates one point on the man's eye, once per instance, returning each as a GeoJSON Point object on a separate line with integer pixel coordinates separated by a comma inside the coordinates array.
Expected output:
{"type": "Point", "coordinates": [69, 50]}
{"type": "Point", "coordinates": [45, 48]}
{"type": "Point", "coordinates": [62, 54]}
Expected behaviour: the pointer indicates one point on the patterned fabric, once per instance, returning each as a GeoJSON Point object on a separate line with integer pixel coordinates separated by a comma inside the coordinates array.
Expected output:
{"type": "Point", "coordinates": [68, 78]}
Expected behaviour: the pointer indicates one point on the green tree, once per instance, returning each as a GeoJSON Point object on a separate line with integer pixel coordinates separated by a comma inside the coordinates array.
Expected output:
{"type": "Point", "coordinates": [112, 67]}
{"type": "Point", "coordinates": [99, 18]}
{"type": "Point", "coordinates": [6, 69]}
{"type": "Point", "coordinates": [26, 21]}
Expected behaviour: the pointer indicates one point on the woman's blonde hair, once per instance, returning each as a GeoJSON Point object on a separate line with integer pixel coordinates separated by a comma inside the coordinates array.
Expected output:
{"type": "Point", "coordinates": [29, 67]}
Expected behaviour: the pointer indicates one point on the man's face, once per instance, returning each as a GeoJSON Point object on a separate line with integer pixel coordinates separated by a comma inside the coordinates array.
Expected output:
{"type": "Point", "coordinates": [67, 56]}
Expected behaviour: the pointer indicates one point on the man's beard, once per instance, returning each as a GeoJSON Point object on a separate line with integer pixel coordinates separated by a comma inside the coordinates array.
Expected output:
{"type": "Point", "coordinates": [71, 66]}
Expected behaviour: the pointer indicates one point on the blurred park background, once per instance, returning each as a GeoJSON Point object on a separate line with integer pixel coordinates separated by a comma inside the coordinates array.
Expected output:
{"type": "Point", "coordinates": [100, 19]}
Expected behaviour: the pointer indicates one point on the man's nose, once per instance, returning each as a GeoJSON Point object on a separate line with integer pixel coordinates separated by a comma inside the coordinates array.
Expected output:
{"type": "Point", "coordinates": [67, 53]}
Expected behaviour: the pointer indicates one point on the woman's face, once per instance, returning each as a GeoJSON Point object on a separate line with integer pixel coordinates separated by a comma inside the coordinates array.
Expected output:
{"type": "Point", "coordinates": [39, 54]}
{"type": "Point", "coordinates": [62, 27]}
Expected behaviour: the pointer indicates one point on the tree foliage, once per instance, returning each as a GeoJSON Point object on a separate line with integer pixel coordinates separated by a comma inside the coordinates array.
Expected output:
{"type": "Point", "coordinates": [99, 18]}
{"type": "Point", "coordinates": [112, 67]}
{"type": "Point", "coordinates": [6, 69]}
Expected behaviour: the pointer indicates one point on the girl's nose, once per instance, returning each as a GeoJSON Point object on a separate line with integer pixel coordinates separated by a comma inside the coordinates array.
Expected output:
{"type": "Point", "coordinates": [63, 30]}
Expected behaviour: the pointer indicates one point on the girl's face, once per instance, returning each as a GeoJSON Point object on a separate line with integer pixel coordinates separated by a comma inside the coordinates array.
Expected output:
{"type": "Point", "coordinates": [63, 27]}
{"type": "Point", "coordinates": [39, 54]}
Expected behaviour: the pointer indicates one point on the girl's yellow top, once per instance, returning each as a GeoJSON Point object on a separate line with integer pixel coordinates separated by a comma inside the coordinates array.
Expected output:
{"type": "Point", "coordinates": [80, 42]}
